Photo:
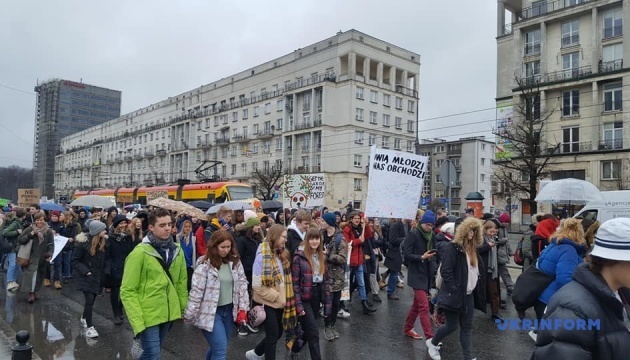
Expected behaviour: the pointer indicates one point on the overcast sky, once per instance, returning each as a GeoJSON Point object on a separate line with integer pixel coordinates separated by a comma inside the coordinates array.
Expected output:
{"type": "Point", "coordinates": [151, 50]}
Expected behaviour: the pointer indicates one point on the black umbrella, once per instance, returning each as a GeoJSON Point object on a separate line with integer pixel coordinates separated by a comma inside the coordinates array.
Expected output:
{"type": "Point", "coordinates": [200, 204]}
{"type": "Point", "coordinates": [271, 204]}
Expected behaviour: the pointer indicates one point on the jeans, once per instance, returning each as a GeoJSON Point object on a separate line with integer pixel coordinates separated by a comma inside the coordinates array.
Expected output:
{"type": "Point", "coordinates": [465, 323]}
{"type": "Point", "coordinates": [218, 338]}
{"type": "Point", "coordinates": [53, 271]}
{"type": "Point", "coordinates": [114, 299]}
{"type": "Point", "coordinates": [419, 308]}
{"type": "Point", "coordinates": [357, 273]}
{"type": "Point", "coordinates": [504, 274]}
{"type": "Point", "coordinates": [14, 269]}
{"type": "Point", "coordinates": [332, 318]}
{"type": "Point", "coordinates": [392, 282]}
{"type": "Point", "coordinates": [87, 309]}
{"type": "Point", "coordinates": [66, 261]}
{"type": "Point", "coordinates": [273, 333]}
{"type": "Point", "coordinates": [309, 322]}
{"type": "Point", "coordinates": [152, 339]}
{"type": "Point", "coordinates": [493, 294]}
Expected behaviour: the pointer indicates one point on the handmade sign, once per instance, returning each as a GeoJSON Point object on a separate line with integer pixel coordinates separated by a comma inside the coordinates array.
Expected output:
{"type": "Point", "coordinates": [301, 191]}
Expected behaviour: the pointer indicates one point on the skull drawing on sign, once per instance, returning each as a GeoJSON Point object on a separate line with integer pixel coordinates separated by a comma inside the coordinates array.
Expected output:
{"type": "Point", "coordinates": [297, 189]}
{"type": "Point", "coordinates": [298, 200]}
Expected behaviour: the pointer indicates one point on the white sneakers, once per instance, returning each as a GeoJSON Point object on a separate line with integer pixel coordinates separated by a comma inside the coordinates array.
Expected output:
{"type": "Point", "coordinates": [533, 335]}
{"type": "Point", "coordinates": [91, 333]}
{"type": "Point", "coordinates": [434, 350]}
{"type": "Point", "coordinates": [83, 323]}
{"type": "Point", "coordinates": [12, 286]}
{"type": "Point", "coordinates": [251, 355]}
{"type": "Point", "coordinates": [343, 314]}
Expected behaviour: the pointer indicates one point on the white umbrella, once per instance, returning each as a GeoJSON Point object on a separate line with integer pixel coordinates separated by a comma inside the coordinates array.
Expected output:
{"type": "Point", "coordinates": [569, 191]}
{"type": "Point", "coordinates": [94, 201]}
{"type": "Point", "coordinates": [232, 205]}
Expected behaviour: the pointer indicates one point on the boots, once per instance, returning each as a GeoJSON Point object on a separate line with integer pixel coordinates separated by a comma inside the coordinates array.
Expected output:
{"type": "Point", "coordinates": [58, 285]}
{"type": "Point", "coordinates": [31, 297]}
{"type": "Point", "coordinates": [367, 308]}
{"type": "Point", "coordinates": [46, 282]}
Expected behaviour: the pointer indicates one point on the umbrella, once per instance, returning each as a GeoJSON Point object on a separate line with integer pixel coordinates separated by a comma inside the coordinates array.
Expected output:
{"type": "Point", "coordinates": [52, 207]}
{"type": "Point", "coordinates": [569, 191]}
{"type": "Point", "coordinates": [4, 202]}
{"type": "Point", "coordinates": [179, 206]}
{"type": "Point", "coordinates": [232, 205]}
{"type": "Point", "coordinates": [271, 204]}
{"type": "Point", "coordinates": [94, 201]}
{"type": "Point", "coordinates": [200, 204]}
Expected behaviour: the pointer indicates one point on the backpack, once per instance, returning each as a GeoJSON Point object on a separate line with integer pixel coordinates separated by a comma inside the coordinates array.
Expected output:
{"type": "Point", "coordinates": [337, 242]}
{"type": "Point", "coordinates": [518, 253]}
{"type": "Point", "coordinates": [6, 245]}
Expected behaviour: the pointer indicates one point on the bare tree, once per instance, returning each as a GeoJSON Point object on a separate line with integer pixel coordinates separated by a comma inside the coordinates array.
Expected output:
{"type": "Point", "coordinates": [528, 152]}
{"type": "Point", "coordinates": [13, 178]}
{"type": "Point", "coordinates": [266, 181]}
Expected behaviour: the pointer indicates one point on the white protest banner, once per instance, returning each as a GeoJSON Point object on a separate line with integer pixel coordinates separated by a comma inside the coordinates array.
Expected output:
{"type": "Point", "coordinates": [60, 242]}
{"type": "Point", "coordinates": [395, 183]}
{"type": "Point", "coordinates": [301, 191]}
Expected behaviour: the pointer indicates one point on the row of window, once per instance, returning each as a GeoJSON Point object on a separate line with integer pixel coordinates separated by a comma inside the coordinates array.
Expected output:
{"type": "Point", "coordinates": [612, 138]}
{"type": "Point", "coordinates": [411, 105]}
{"type": "Point", "coordinates": [612, 97]}
{"type": "Point", "coordinates": [385, 118]}
{"type": "Point", "coordinates": [359, 135]}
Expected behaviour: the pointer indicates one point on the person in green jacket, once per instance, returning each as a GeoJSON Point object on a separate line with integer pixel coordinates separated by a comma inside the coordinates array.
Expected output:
{"type": "Point", "coordinates": [154, 285]}
{"type": "Point", "coordinates": [11, 231]}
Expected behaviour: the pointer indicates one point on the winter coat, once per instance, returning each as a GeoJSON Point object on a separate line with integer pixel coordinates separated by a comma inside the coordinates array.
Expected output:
{"type": "Point", "coordinates": [205, 291]}
{"type": "Point", "coordinates": [10, 232]}
{"type": "Point", "coordinates": [303, 286]}
{"type": "Point", "coordinates": [39, 251]}
{"type": "Point", "coordinates": [393, 256]}
{"type": "Point", "coordinates": [418, 271]}
{"type": "Point", "coordinates": [454, 271]}
{"type": "Point", "coordinates": [70, 231]}
{"type": "Point", "coordinates": [201, 241]}
{"type": "Point", "coordinates": [293, 239]}
{"type": "Point", "coordinates": [84, 263]}
{"type": "Point", "coordinates": [273, 296]}
{"type": "Point", "coordinates": [336, 260]}
{"type": "Point", "coordinates": [528, 257]}
{"type": "Point", "coordinates": [149, 296]}
{"type": "Point", "coordinates": [55, 226]}
{"type": "Point", "coordinates": [247, 248]}
{"type": "Point", "coordinates": [118, 247]}
{"type": "Point", "coordinates": [211, 228]}
{"type": "Point", "coordinates": [503, 247]}
{"type": "Point", "coordinates": [539, 243]}
{"type": "Point", "coordinates": [559, 259]}
{"type": "Point", "coordinates": [369, 258]}
{"type": "Point", "coordinates": [586, 297]}
{"type": "Point", "coordinates": [356, 254]}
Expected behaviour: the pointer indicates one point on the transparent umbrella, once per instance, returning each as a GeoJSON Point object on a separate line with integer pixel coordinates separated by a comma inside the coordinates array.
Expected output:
{"type": "Point", "coordinates": [569, 191]}
{"type": "Point", "coordinates": [232, 205]}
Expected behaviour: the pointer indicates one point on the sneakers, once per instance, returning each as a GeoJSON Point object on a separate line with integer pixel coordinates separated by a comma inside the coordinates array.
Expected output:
{"type": "Point", "coordinates": [242, 330]}
{"type": "Point", "coordinates": [533, 335]}
{"type": "Point", "coordinates": [382, 284]}
{"type": "Point", "coordinates": [335, 332]}
{"type": "Point", "coordinates": [393, 297]}
{"type": "Point", "coordinates": [413, 334]}
{"type": "Point", "coordinates": [12, 286]}
{"type": "Point", "coordinates": [252, 329]}
{"type": "Point", "coordinates": [83, 323]}
{"type": "Point", "coordinates": [328, 333]}
{"type": "Point", "coordinates": [47, 282]}
{"type": "Point", "coordinates": [434, 351]}
{"type": "Point", "coordinates": [401, 284]}
{"type": "Point", "coordinates": [58, 285]}
{"type": "Point", "coordinates": [343, 314]}
{"type": "Point", "coordinates": [376, 298]}
{"type": "Point", "coordinates": [91, 333]}
{"type": "Point", "coordinates": [251, 355]}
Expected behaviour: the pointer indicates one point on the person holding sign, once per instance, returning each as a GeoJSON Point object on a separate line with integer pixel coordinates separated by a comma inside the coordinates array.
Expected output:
{"type": "Point", "coordinates": [355, 233]}
{"type": "Point", "coordinates": [34, 254]}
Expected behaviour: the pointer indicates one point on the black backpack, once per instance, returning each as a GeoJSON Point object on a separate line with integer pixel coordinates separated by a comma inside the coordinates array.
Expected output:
{"type": "Point", "coordinates": [6, 246]}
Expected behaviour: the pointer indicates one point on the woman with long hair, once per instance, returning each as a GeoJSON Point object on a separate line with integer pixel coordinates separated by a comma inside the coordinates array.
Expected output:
{"type": "Point", "coordinates": [308, 271]}
{"type": "Point", "coordinates": [218, 297]}
{"type": "Point", "coordinates": [89, 261]}
{"type": "Point", "coordinates": [70, 229]}
{"type": "Point", "coordinates": [41, 241]}
{"type": "Point", "coordinates": [108, 219]}
{"type": "Point", "coordinates": [488, 252]}
{"type": "Point", "coordinates": [273, 288]}
{"type": "Point", "coordinates": [247, 243]}
{"type": "Point", "coordinates": [135, 231]}
{"type": "Point", "coordinates": [460, 271]}
{"type": "Point", "coordinates": [188, 242]}
{"type": "Point", "coordinates": [117, 249]}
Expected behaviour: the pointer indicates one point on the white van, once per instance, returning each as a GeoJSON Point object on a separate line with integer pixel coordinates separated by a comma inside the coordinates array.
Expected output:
{"type": "Point", "coordinates": [616, 204]}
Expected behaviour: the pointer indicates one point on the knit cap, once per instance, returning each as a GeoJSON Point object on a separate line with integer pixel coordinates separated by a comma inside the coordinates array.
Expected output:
{"type": "Point", "coordinates": [96, 227]}
{"type": "Point", "coordinates": [330, 219]}
{"type": "Point", "coordinates": [55, 213]}
{"type": "Point", "coordinates": [247, 214]}
{"type": "Point", "coordinates": [252, 221]}
{"type": "Point", "coordinates": [118, 219]}
{"type": "Point", "coordinates": [428, 217]}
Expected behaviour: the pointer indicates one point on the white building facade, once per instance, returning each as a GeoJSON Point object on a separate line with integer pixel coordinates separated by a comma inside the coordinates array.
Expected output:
{"type": "Point", "coordinates": [315, 110]}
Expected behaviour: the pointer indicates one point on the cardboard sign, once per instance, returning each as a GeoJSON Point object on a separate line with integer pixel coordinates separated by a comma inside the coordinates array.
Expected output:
{"type": "Point", "coordinates": [395, 183]}
{"type": "Point", "coordinates": [27, 197]}
{"type": "Point", "coordinates": [154, 194]}
{"type": "Point", "coordinates": [300, 191]}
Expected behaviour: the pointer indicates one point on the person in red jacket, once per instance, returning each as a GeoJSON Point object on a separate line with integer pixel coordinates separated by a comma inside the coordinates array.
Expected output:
{"type": "Point", "coordinates": [355, 235]}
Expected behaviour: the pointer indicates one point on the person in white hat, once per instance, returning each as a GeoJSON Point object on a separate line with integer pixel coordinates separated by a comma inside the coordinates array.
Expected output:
{"type": "Point", "coordinates": [598, 296]}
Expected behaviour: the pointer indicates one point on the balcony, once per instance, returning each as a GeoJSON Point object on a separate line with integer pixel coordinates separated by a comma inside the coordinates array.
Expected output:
{"type": "Point", "coordinates": [576, 147]}
{"type": "Point", "coordinates": [557, 76]}
{"type": "Point", "coordinates": [304, 125]}
{"type": "Point", "coordinates": [118, 159]}
{"type": "Point", "coordinates": [305, 150]}
{"type": "Point", "coordinates": [455, 150]}
{"type": "Point", "coordinates": [610, 66]}
{"type": "Point", "coordinates": [179, 146]}
{"type": "Point", "coordinates": [110, 161]}
{"type": "Point", "coordinates": [456, 201]}
{"type": "Point", "coordinates": [265, 134]}
{"type": "Point", "coordinates": [203, 144]}
{"type": "Point", "coordinates": [611, 144]}
{"type": "Point", "coordinates": [222, 141]}
{"type": "Point", "coordinates": [138, 156]}
{"type": "Point", "coordinates": [128, 157]}
{"type": "Point", "coordinates": [161, 152]}
{"type": "Point", "coordinates": [241, 138]}
{"type": "Point", "coordinates": [457, 184]}
{"type": "Point", "coordinates": [542, 8]}
{"type": "Point", "coordinates": [301, 170]}
{"type": "Point", "coordinates": [148, 154]}
{"type": "Point", "coordinates": [317, 168]}
{"type": "Point", "coordinates": [406, 91]}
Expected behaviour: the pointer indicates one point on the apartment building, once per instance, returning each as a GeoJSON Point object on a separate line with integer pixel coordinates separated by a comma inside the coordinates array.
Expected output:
{"type": "Point", "coordinates": [472, 157]}
{"type": "Point", "coordinates": [572, 53]}
{"type": "Point", "coordinates": [317, 109]}
{"type": "Point", "coordinates": [63, 108]}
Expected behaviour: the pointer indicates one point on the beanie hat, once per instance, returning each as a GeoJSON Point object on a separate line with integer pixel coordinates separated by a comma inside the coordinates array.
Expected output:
{"type": "Point", "coordinates": [428, 217]}
{"type": "Point", "coordinates": [55, 213]}
{"type": "Point", "coordinates": [546, 228]}
{"type": "Point", "coordinates": [118, 219]}
{"type": "Point", "coordinates": [441, 221]}
{"type": "Point", "coordinates": [316, 214]}
{"type": "Point", "coordinates": [252, 221]}
{"type": "Point", "coordinates": [448, 230]}
{"type": "Point", "coordinates": [112, 208]}
{"type": "Point", "coordinates": [96, 227]}
{"type": "Point", "coordinates": [487, 216]}
{"type": "Point", "coordinates": [337, 213]}
{"type": "Point", "coordinates": [613, 240]}
{"type": "Point", "coordinates": [470, 211]}
{"type": "Point", "coordinates": [504, 218]}
{"type": "Point", "coordinates": [330, 219]}
{"type": "Point", "coordinates": [247, 214]}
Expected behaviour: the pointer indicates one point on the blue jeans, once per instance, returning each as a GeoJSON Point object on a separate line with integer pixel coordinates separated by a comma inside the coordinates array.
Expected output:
{"type": "Point", "coordinates": [357, 272]}
{"type": "Point", "coordinates": [218, 338]}
{"type": "Point", "coordinates": [392, 282]}
{"type": "Point", "coordinates": [152, 339]}
{"type": "Point", "coordinates": [66, 257]}
{"type": "Point", "coordinates": [14, 269]}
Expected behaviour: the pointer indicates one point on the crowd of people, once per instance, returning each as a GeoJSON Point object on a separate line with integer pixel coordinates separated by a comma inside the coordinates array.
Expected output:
{"type": "Point", "coordinates": [282, 273]}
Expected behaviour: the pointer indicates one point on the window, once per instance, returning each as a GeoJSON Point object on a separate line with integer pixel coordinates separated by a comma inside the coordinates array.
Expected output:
{"type": "Point", "coordinates": [482, 177]}
{"type": "Point", "coordinates": [386, 100]}
{"type": "Point", "coordinates": [532, 42]}
{"type": "Point", "coordinates": [410, 145]}
{"type": "Point", "coordinates": [245, 113]}
{"type": "Point", "coordinates": [233, 169]}
{"type": "Point", "coordinates": [279, 143]}
{"type": "Point", "coordinates": [539, 7]}
{"type": "Point", "coordinates": [255, 166]}
{"type": "Point", "coordinates": [532, 110]}
{"type": "Point", "coordinates": [244, 168]}
{"type": "Point", "coordinates": [371, 139]}
{"type": "Point", "coordinates": [611, 53]}
{"type": "Point", "coordinates": [255, 129]}
{"type": "Point", "coordinates": [267, 108]}
{"type": "Point", "coordinates": [399, 102]}
{"type": "Point", "coordinates": [373, 117]}
{"type": "Point", "coordinates": [358, 137]}
{"type": "Point", "coordinates": [483, 146]}
{"type": "Point", "coordinates": [357, 160]}
{"type": "Point", "coordinates": [410, 126]}
{"type": "Point", "coordinates": [398, 122]}
{"type": "Point", "coordinates": [397, 144]}
{"type": "Point", "coordinates": [532, 70]}
{"type": "Point", "coordinates": [357, 184]}
{"type": "Point", "coordinates": [385, 119]}
{"type": "Point", "coordinates": [613, 23]}
{"type": "Point", "coordinates": [279, 124]}
{"type": "Point", "coordinates": [307, 102]}
{"type": "Point", "coordinates": [385, 142]}
{"type": "Point", "coordinates": [235, 116]}
{"type": "Point", "coordinates": [612, 97]}
{"type": "Point", "coordinates": [613, 136]}
{"type": "Point", "coordinates": [359, 115]}
{"type": "Point", "coordinates": [483, 162]}
{"type": "Point", "coordinates": [267, 127]}
{"type": "Point", "coordinates": [571, 103]}
{"type": "Point", "coordinates": [570, 33]}
{"type": "Point", "coordinates": [438, 179]}
{"type": "Point", "coordinates": [570, 63]}
{"type": "Point", "coordinates": [611, 169]}
{"type": "Point", "coordinates": [359, 93]}
{"type": "Point", "coordinates": [374, 96]}
{"type": "Point", "coordinates": [571, 139]}
{"type": "Point", "coordinates": [524, 175]}
{"type": "Point", "coordinates": [440, 149]}
{"type": "Point", "coordinates": [245, 132]}
{"type": "Point", "coordinates": [256, 111]}
{"type": "Point", "coordinates": [411, 106]}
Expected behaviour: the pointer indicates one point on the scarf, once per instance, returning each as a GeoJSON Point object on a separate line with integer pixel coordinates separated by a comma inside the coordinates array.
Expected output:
{"type": "Point", "coordinates": [188, 247]}
{"type": "Point", "coordinates": [40, 232]}
{"type": "Point", "coordinates": [428, 235]}
{"type": "Point", "coordinates": [166, 248]}
{"type": "Point", "coordinates": [492, 259]}
{"type": "Point", "coordinates": [271, 277]}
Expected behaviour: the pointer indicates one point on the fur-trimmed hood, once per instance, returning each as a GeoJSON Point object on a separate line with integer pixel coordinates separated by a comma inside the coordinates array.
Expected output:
{"type": "Point", "coordinates": [82, 238]}
{"type": "Point", "coordinates": [465, 227]}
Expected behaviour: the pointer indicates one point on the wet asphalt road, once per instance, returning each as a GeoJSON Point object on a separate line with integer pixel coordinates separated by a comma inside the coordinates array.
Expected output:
{"type": "Point", "coordinates": [53, 322]}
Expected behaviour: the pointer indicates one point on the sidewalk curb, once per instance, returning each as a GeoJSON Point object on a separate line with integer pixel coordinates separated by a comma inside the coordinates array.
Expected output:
{"type": "Point", "coordinates": [8, 335]}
